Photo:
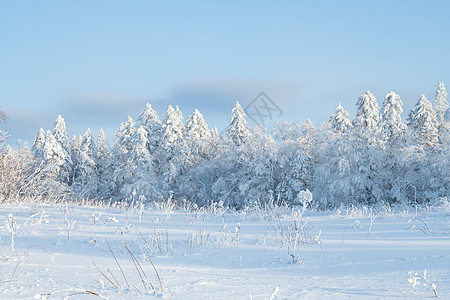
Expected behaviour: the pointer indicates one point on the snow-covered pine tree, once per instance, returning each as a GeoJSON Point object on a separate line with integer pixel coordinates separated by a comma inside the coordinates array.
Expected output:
{"type": "Point", "coordinates": [87, 181]}
{"type": "Point", "coordinates": [196, 127]}
{"type": "Point", "coordinates": [123, 144]}
{"type": "Point", "coordinates": [171, 145]}
{"type": "Point", "coordinates": [215, 134]}
{"type": "Point", "coordinates": [76, 149]}
{"type": "Point", "coordinates": [197, 140]}
{"type": "Point", "coordinates": [149, 120]}
{"type": "Point", "coordinates": [367, 112]}
{"type": "Point", "coordinates": [391, 121]}
{"type": "Point", "coordinates": [441, 108]}
{"type": "Point", "coordinates": [61, 136]}
{"type": "Point", "coordinates": [172, 130]}
{"type": "Point", "coordinates": [88, 145]}
{"type": "Point", "coordinates": [104, 166]}
{"type": "Point", "coordinates": [422, 121]}
{"type": "Point", "coordinates": [122, 141]}
{"type": "Point", "coordinates": [393, 131]}
{"type": "Point", "coordinates": [38, 145]}
{"type": "Point", "coordinates": [140, 182]}
{"type": "Point", "coordinates": [340, 120]}
{"type": "Point", "coordinates": [239, 132]}
{"type": "Point", "coordinates": [53, 155]}
{"type": "Point", "coordinates": [102, 152]}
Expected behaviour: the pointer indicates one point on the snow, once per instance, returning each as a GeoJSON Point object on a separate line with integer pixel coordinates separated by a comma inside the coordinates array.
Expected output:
{"type": "Point", "coordinates": [214, 253]}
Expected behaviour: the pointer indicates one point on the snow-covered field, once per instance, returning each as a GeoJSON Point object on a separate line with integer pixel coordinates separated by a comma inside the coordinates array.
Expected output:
{"type": "Point", "coordinates": [61, 251]}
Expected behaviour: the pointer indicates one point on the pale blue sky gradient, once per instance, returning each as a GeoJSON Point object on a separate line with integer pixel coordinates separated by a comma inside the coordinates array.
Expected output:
{"type": "Point", "coordinates": [96, 62]}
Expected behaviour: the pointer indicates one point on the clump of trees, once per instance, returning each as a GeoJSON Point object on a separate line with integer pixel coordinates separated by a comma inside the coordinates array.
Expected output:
{"type": "Point", "coordinates": [22, 175]}
{"type": "Point", "coordinates": [375, 157]}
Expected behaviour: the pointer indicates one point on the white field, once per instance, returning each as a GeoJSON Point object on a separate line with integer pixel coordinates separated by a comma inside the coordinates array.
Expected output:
{"type": "Point", "coordinates": [216, 255]}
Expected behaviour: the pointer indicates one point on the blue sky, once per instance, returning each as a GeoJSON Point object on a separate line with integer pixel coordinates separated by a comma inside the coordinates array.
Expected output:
{"type": "Point", "coordinates": [95, 62]}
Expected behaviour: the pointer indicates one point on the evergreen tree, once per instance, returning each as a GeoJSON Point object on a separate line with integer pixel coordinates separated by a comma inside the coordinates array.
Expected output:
{"type": "Point", "coordinates": [88, 145]}
{"type": "Point", "coordinates": [53, 154]}
{"type": "Point", "coordinates": [121, 158]}
{"type": "Point", "coordinates": [122, 142]}
{"type": "Point", "coordinates": [196, 127]}
{"type": "Point", "coordinates": [367, 113]}
{"type": "Point", "coordinates": [215, 136]}
{"type": "Point", "coordinates": [170, 150]}
{"type": "Point", "coordinates": [87, 181]}
{"type": "Point", "coordinates": [60, 133]}
{"type": "Point", "coordinates": [104, 166]}
{"type": "Point", "coordinates": [61, 136]}
{"type": "Point", "coordinates": [172, 130]}
{"type": "Point", "coordinates": [340, 120]}
{"type": "Point", "coordinates": [239, 132]}
{"type": "Point", "coordinates": [441, 109]}
{"type": "Point", "coordinates": [392, 123]}
{"type": "Point", "coordinates": [102, 152]}
{"type": "Point", "coordinates": [76, 154]}
{"type": "Point", "coordinates": [422, 121]}
{"type": "Point", "coordinates": [139, 178]}
{"type": "Point", "coordinates": [38, 145]}
{"type": "Point", "coordinates": [149, 120]}
{"type": "Point", "coordinates": [198, 140]}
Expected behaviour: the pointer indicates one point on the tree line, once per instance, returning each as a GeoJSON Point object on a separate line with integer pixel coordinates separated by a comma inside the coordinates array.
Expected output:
{"type": "Point", "coordinates": [376, 157]}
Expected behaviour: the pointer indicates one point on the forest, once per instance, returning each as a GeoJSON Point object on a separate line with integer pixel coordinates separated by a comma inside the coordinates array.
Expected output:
{"type": "Point", "coordinates": [377, 157]}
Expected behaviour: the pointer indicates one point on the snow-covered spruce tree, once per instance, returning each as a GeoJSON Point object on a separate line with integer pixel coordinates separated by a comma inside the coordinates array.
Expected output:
{"type": "Point", "coordinates": [239, 132]}
{"type": "Point", "coordinates": [87, 181]}
{"type": "Point", "coordinates": [53, 155]}
{"type": "Point", "coordinates": [395, 141]}
{"type": "Point", "coordinates": [197, 140]}
{"type": "Point", "coordinates": [140, 182]}
{"type": "Point", "coordinates": [76, 154]}
{"type": "Point", "coordinates": [198, 148]}
{"type": "Point", "coordinates": [215, 134]}
{"type": "Point", "coordinates": [38, 145]}
{"type": "Point", "coordinates": [367, 112]}
{"type": "Point", "coordinates": [149, 120]}
{"type": "Point", "coordinates": [422, 122]}
{"type": "Point", "coordinates": [419, 181]}
{"type": "Point", "coordinates": [441, 108]}
{"type": "Point", "coordinates": [340, 120]}
{"type": "Point", "coordinates": [366, 145]}
{"type": "Point", "coordinates": [61, 136]}
{"type": "Point", "coordinates": [120, 157]}
{"type": "Point", "coordinates": [171, 145]}
{"type": "Point", "coordinates": [104, 166]}
{"type": "Point", "coordinates": [231, 185]}
{"type": "Point", "coordinates": [391, 121]}
{"type": "Point", "coordinates": [102, 152]}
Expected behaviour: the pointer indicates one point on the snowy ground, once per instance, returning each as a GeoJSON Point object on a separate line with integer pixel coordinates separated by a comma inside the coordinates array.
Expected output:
{"type": "Point", "coordinates": [221, 255]}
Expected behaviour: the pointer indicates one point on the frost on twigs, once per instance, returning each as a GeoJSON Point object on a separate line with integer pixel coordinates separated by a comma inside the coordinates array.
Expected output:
{"type": "Point", "coordinates": [416, 281]}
